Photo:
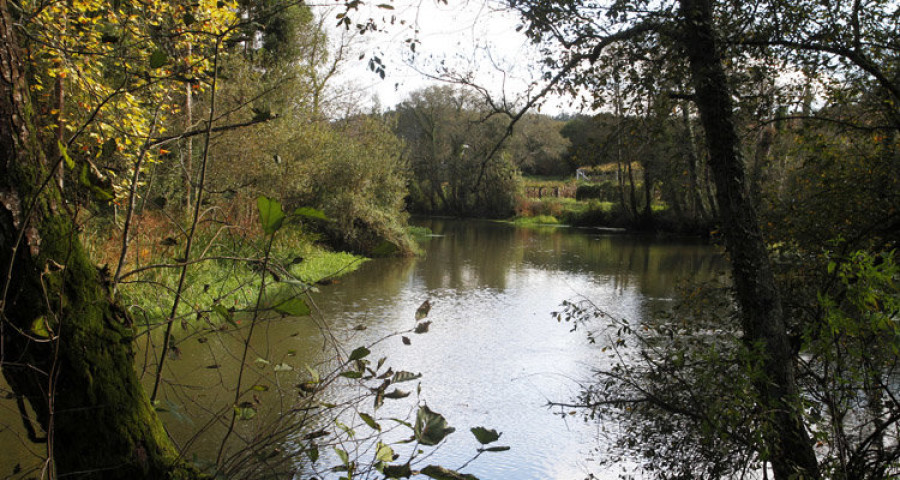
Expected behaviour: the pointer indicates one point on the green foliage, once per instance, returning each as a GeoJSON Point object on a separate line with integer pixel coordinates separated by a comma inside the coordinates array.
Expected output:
{"type": "Point", "coordinates": [431, 428]}
{"type": "Point", "coordinates": [271, 216]}
{"type": "Point", "coordinates": [441, 473]}
{"type": "Point", "coordinates": [604, 191]}
{"type": "Point", "coordinates": [359, 353]}
{"type": "Point", "coordinates": [537, 147]}
{"type": "Point", "coordinates": [451, 143]}
{"type": "Point", "coordinates": [220, 291]}
{"type": "Point", "coordinates": [292, 306]}
{"type": "Point", "coordinates": [540, 220]}
{"type": "Point", "coordinates": [485, 436]}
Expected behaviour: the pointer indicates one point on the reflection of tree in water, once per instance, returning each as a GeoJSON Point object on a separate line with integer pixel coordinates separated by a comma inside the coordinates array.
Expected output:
{"type": "Point", "coordinates": [470, 254]}
{"type": "Point", "coordinates": [651, 265]}
{"type": "Point", "coordinates": [476, 253]}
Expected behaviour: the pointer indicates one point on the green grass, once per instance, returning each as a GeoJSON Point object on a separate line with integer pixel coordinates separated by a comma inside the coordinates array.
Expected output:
{"type": "Point", "coordinates": [540, 220]}
{"type": "Point", "coordinates": [295, 265]}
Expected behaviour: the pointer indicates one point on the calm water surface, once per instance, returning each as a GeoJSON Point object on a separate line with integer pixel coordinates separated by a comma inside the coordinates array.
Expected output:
{"type": "Point", "coordinates": [494, 356]}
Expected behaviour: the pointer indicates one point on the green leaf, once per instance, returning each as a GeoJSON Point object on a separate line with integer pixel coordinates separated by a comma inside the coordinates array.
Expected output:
{"type": "Point", "coordinates": [39, 327]}
{"type": "Point", "coordinates": [431, 428]}
{"type": "Point", "coordinates": [384, 453]}
{"type": "Point", "coordinates": [293, 307]}
{"type": "Point", "coordinates": [313, 373]}
{"type": "Point", "coordinates": [345, 428]}
{"type": "Point", "coordinates": [496, 449]}
{"type": "Point", "coordinates": [102, 194]}
{"type": "Point", "coordinates": [260, 388]}
{"type": "Point", "coordinates": [313, 454]}
{"type": "Point", "coordinates": [345, 458]}
{"type": "Point", "coordinates": [396, 394]}
{"type": "Point", "coordinates": [359, 353]}
{"type": "Point", "coordinates": [397, 471]}
{"type": "Point", "coordinates": [83, 177]}
{"type": "Point", "coordinates": [485, 436]}
{"type": "Point", "coordinates": [370, 422]}
{"type": "Point", "coordinates": [245, 411]}
{"type": "Point", "coordinates": [351, 374]}
{"type": "Point", "coordinates": [65, 154]}
{"type": "Point", "coordinates": [385, 6]}
{"type": "Point", "coordinates": [441, 473]}
{"type": "Point", "coordinates": [225, 314]}
{"type": "Point", "coordinates": [158, 59]}
{"type": "Point", "coordinates": [310, 212]}
{"type": "Point", "coordinates": [402, 376]}
{"type": "Point", "coordinates": [271, 215]}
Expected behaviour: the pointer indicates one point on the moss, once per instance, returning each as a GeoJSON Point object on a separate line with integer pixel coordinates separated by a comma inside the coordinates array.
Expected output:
{"type": "Point", "coordinates": [103, 423]}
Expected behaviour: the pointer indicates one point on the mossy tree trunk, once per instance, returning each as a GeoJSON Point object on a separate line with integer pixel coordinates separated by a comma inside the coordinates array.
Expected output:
{"type": "Point", "coordinates": [66, 346]}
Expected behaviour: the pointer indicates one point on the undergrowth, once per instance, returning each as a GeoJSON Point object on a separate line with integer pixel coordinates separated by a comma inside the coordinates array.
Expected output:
{"type": "Point", "coordinates": [225, 270]}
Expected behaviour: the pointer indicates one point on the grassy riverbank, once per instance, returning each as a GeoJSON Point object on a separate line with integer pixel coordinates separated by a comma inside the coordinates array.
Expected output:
{"type": "Point", "coordinates": [224, 269]}
{"type": "Point", "coordinates": [565, 201]}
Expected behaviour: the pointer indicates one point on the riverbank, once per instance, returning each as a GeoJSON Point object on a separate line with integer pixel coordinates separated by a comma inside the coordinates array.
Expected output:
{"type": "Point", "coordinates": [224, 270]}
{"type": "Point", "coordinates": [604, 214]}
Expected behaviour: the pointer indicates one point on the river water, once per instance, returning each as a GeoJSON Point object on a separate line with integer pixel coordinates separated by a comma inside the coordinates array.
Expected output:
{"type": "Point", "coordinates": [493, 355]}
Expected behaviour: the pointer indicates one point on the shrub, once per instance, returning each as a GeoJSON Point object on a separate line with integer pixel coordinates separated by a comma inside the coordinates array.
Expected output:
{"type": "Point", "coordinates": [605, 191]}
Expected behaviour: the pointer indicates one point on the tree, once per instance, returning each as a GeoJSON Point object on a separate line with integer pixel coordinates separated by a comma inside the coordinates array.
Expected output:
{"type": "Point", "coordinates": [688, 28]}
{"type": "Point", "coordinates": [451, 140]}
{"type": "Point", "coordinates": [537, 146]}
{"type": "Point", "coordinates": [763, 321]}
{"type": "Point", "coordinates": [66, 344]}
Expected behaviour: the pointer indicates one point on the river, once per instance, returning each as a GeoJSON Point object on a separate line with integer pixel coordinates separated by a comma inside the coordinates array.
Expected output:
{"type": "Point", "coordinates": [493, 355]}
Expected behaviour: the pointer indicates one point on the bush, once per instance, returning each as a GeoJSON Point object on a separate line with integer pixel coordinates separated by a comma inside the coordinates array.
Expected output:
{"type": "Point", "coordinates": [596, 214]}
{"type": "Point", "coordinates": [605, 191]}
{"type": "Point", "coordinates": [531, 207]}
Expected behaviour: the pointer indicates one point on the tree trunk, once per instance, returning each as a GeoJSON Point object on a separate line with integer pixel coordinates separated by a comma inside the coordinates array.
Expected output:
{"type": "Point", "coordinates": [632, 191]}
{"type": "Point", "coordinates": [66, 346]}
{"type": "Point", "coordinates": [648, 193]}
{"type": "Point", "coordinates": [787, 442]}
{"type": "Point", "coordinates": [694, 196]}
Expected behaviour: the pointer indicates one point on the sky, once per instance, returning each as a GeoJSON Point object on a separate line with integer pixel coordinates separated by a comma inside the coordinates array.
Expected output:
{"type": "Point", "coordinates": [475, 38]}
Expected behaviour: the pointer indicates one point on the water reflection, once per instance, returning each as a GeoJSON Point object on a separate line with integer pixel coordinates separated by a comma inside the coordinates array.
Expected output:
{"type": "Point", "coordinates": [493, 356]}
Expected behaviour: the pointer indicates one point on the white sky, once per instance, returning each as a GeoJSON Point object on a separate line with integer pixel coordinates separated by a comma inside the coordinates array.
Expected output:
{"type": "Point", "coordinates": [473, 37]}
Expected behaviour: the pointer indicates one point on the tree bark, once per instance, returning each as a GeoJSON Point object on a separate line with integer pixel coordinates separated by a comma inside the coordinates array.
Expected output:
{"type": "Point", "coordinates": [66, 346]}
{"type": "Point", "coordinates": [788, 445]}
{"type": "Point", "coordinates": [694, 197]}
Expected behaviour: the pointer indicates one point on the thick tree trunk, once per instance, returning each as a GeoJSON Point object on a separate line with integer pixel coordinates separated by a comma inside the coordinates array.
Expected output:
{"type": "Point", "coordinates": [66, 347]}
{"type": "Point", "coordinates": [787, 441]}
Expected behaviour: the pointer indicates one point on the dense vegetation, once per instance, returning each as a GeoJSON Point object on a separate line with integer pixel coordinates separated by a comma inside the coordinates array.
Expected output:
{"type": "Point", "coordinates": [198, 151]}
